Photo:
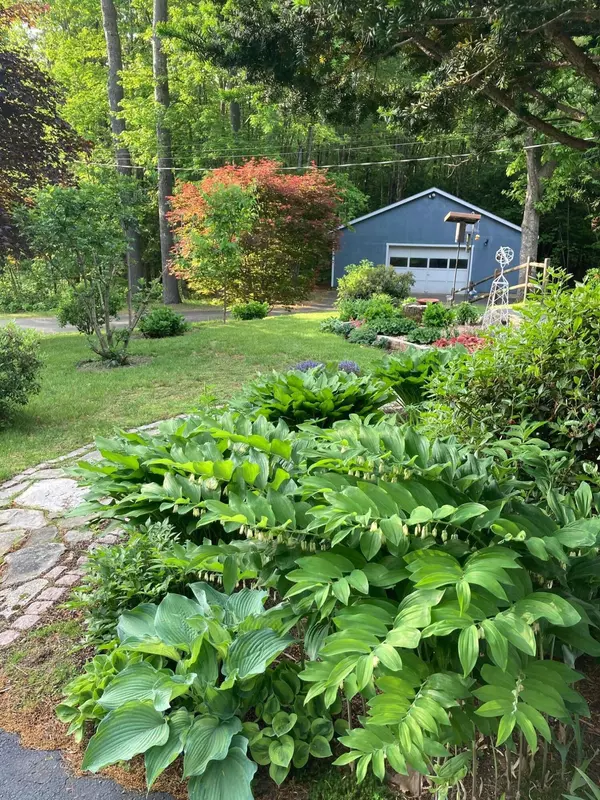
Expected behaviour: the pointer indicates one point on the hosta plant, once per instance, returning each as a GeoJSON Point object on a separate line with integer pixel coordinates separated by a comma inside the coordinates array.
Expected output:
{"type": "Point", "coordinates": [203, 662]}
{"type": "Point", "coordinates": [322, 395]}
{"type": "Point", "coordinates": [169, 475]}
{"type": "Point", "coordinates": [408, 372]}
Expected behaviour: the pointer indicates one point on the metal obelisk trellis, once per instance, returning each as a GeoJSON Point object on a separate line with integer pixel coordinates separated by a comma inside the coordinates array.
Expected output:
{"type": "Point", "coordinates": [496, 312]}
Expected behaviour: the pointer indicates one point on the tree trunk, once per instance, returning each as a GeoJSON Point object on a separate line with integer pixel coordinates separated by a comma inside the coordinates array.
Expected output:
{"type": "Point", "coordinates": [537, 173]}
{"type": "Point", "coordinates": [163, 141]}
{"type": "Point", "coordinates": [235, 116]}
{"type": "Point", "coordinates": [117, 125]}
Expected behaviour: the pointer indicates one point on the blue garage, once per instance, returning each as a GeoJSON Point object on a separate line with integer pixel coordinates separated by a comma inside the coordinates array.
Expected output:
{"type": "Point", "coordinates": [412, 236]}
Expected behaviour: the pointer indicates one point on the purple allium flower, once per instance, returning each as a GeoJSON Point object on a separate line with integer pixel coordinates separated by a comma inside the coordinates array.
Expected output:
{"type": "Point", "coordinates": [304, 366]}
{"type": "Point", "coordinates": [349, 366]}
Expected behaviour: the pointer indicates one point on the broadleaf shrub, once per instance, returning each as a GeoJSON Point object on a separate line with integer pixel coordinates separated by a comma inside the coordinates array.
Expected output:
{"type": "Point", "coordinates": [436, 315]}
{"type": "Point", "coordinates": [547, 368]}
{"type": "Point", "coordinates": [20, 367]}
{"type": "Point", "coordinates": [364, 279]}
{"type": "Point", "coordinates": [466, 314]}
{"type": "Point", "coordinates": [424, 334]}
{"type": "Point", "coordinates": [363, 335]}
{"type": "Point", "coordinates": [162, 322]}
{"type": "Point", "coordinates": [396, 325]}
{"type": "Point", "coordinates": [253, 309]}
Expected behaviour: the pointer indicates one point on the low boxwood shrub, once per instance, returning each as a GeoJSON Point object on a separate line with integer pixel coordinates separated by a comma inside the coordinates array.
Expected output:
{"type": "Point", "coordinates": [20, 367]}
{"type": "Point", "coordinates": [253, 309]}
{"type": "Point", "coordinates": [364, 279]}
{"type": "Point", "coordinates": [363, 335]}
{"type": "Point", "coordinates": [424, 334]}
{"type": "Point", "coordinates": [319, 395]}
{"type": "Point", "coordinates": [161, 322]}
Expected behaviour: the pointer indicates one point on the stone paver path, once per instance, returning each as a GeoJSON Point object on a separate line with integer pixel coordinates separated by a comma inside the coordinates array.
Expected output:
{"type": "Point", "coordinates": [42, 549]}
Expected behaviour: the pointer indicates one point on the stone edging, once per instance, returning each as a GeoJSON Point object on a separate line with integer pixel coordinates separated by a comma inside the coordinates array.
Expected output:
{"type": "Point", "coordinates": [44, 550]}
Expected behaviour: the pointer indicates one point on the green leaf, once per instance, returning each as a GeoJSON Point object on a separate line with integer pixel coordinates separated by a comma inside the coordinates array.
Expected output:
{"type": "Point", "coordinates": [467, 511]}
{"type": "Point", "coordinates": [497, 643]}
{"type": "Point", "coordinates": [209, 739]}
{"type": "Point", "coordinates": [281, 751]}
{"type": "Point", "coordinates": [124, 733]}
{"type": "Point", "coordinates": [157, 759]}
{"type": "Point", "coordinates": [389, 657]}
{"type": "Point", "coordinates": [322, 727]}
{"type": "Point", "coordinates": [319, 747]}
{"type": "Point", "coordinates": [528, 730]}
{"type": "Point", "coordinates": [251, 652]}
{"type": "Point", "coordinates": [581, 533]}
{"type": "Point", "coordinates": [463, 594]}
{"type": "Point", "coordinates": [301, 754]}
{"type": "Point", "coordinates": [283, 722]}
{"type": "Point", "coordinates": [505, 727]}
{"type": "Point", "coordinates": [341, 590]}
{"type": "Point", "coordinates": [170, 621]}
{"type": "Point", "coordinates": [230, 777]}
{"type": "Point", "coordinates": [468, 648]}
{"type": "Point", "coordinates": [278, 773]}
{"type": "Point", "coordinates": [420, 515]}
{"type": "Point", "coordinates": [136, 682]}
{"type": "Point", "coordinates": [364, 671]}
{"type": "Point", "coordinates": [230, 574]}
{"type": "Point", "coordinates": [358, 580]}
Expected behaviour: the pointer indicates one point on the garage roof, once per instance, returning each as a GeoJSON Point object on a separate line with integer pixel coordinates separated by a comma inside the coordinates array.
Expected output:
{"type": "Point", "coordinates": [426, 192]}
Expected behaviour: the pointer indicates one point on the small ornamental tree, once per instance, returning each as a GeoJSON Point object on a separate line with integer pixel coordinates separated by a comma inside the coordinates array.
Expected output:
{"type": "Point", "coordinates": [277, 257]}
{"type": "Point", "coordinates": [215, 250]}
{"type": "Point", "coordinates": [81, 231]}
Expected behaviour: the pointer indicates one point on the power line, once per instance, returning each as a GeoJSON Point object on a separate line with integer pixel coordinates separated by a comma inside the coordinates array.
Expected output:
{"type": "Point", "coordinates": [346, 165]}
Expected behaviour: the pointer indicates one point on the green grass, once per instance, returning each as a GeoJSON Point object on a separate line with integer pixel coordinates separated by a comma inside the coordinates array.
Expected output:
{"type": "Point", "coordinates": [76, 405]}
{"type": "Point", "coordinates": [43, 662]}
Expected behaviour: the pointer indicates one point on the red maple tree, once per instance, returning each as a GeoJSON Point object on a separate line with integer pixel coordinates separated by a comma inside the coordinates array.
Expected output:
{"type": "Point", "coordinates": [291, 240]}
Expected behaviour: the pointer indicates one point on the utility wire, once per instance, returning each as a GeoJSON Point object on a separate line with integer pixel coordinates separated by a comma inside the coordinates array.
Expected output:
{"type": "Point", "coordinates": [341, 166]}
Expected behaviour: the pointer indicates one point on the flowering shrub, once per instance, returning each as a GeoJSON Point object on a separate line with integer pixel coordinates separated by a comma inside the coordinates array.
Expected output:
{"type": "Point", "coordinates": [469, 341]}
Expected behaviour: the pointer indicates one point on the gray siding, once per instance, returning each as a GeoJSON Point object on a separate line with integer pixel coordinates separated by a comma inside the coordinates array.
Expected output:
{"type": "Point", "coordinates": [421, 221]}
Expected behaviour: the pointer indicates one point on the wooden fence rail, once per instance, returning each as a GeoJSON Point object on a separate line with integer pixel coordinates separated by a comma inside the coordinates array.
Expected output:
{"type": "Point", "coordinates": [530, 269]}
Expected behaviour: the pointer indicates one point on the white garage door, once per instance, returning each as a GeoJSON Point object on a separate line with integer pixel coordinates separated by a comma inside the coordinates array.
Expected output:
{"type": "Point", "coordinates": [432, 267]}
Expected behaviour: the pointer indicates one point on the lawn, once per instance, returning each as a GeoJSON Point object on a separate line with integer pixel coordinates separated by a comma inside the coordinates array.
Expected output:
{"type": "Point", "coordinates": [75, 405]}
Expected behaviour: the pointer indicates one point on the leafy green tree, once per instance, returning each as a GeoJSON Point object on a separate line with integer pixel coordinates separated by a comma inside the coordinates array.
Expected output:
{"type": "Point", "coordinates": [36, 143]}
{"type": "Point", "coordinates": [81, 230]}
{"type": "Point", "coordinates": [214, 249]}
